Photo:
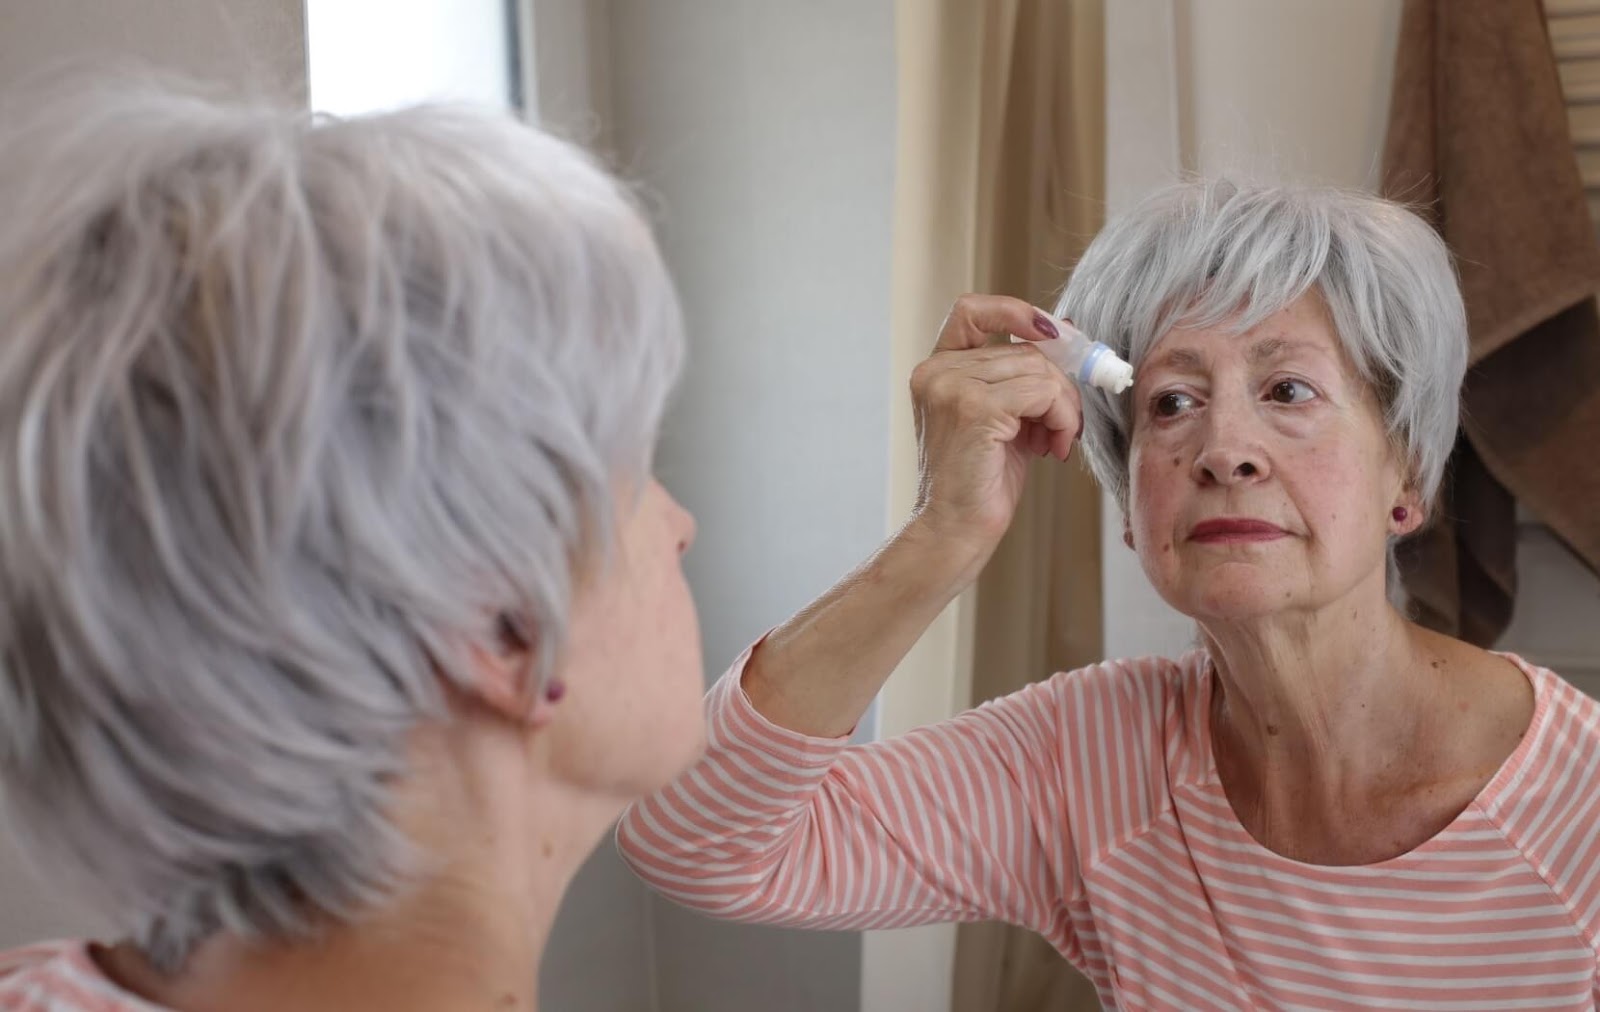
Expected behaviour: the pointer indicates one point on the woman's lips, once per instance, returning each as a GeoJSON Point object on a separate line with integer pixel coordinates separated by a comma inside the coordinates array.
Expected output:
{"type": "Point", "coordinates": [1233, 530]}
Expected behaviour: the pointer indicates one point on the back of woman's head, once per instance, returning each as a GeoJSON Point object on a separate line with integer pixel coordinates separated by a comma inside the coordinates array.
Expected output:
{"type": "Point", "coordinates": [290, 410]}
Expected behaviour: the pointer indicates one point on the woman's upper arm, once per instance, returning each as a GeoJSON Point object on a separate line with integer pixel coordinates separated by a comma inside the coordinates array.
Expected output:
{"type": "Point", "coordinates": [967, 819]}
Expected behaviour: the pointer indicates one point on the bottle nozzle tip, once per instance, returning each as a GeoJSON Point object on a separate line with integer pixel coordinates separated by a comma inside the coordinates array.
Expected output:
{"type": "Point", "coordinates": [1112, 374]}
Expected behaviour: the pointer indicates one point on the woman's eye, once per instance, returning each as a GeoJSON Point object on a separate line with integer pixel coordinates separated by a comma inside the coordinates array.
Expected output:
{"type": "Point", "coordinates": [1171, 404]}
{"type": "Point", "coordinates": [1292, 392]}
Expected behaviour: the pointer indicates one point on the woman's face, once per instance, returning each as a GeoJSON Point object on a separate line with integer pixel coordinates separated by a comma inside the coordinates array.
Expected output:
{"type": "Point", "coordinates": [631, 718]}
{"type": "Point", "coordinates": [1261, 478]}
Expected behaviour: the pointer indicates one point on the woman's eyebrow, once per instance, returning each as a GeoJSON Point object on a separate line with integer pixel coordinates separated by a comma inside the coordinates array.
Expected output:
{"type": "Point", "coordinates": [1190, 360]}
{"type": "Point", "coordinates": [1274, 348]}
{"type": "Point", "coordinates": [1178, 360]}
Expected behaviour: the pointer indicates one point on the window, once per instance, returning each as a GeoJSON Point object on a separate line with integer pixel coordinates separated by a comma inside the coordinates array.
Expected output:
{"type": "Point", "coordinates": [367, 55]}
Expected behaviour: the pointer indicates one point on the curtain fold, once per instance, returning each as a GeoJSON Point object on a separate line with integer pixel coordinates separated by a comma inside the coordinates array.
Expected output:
{"type": "Point", "coordinates": [1020, 167]}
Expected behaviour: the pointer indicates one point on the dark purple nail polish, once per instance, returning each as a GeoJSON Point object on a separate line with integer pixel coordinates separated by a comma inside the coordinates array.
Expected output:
{"type": "Point", "coordinates": [1042, 324]}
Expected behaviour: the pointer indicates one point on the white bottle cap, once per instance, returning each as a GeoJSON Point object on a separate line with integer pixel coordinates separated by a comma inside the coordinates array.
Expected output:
{"type": "Point", "coordinates": [1111, 374]}
{"type": "Point", "coordinates": [1104, 369]}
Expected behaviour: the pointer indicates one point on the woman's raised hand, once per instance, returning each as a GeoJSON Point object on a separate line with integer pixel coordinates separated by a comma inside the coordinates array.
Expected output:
{"type": "Point", "coordinates": [982, 410]}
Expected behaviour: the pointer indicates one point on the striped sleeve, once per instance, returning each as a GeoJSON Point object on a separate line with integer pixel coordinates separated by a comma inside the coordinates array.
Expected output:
{"type": "Point", "coordinates": [1550, 806]}
{"type": "Point", "coordinates": [60, 977]}
{"type": "Point", "coordinates": [963, 820]}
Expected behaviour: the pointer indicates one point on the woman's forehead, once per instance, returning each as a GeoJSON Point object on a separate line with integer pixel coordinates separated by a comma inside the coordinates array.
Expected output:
{"type": "Point", "coordinates": [1300, 330]}
{"type": "Point", "coordinates": [1201, 351]}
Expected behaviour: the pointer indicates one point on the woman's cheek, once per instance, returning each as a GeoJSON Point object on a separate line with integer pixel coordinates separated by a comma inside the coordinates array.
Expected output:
{"type": "Point", "coordinates": [1333, 486]}
{"type": "Point", "coordinates": [1159, 462]}
{"type": "Point", "coordinates": [1159, 480]}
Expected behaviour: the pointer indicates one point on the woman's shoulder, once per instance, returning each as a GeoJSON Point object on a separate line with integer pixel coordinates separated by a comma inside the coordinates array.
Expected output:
{"type": "Point", "coordinates": [1559, 703]}
{"type": "Point", "coordinates": [1551, 775]}
{"type": "Point", "coordinates": [1546, 798]}
{"type": "Point", "coordinates": [1154, 694]}
{"type": "Point", "coordinates": [1152, 704]}
{"type": "Point", "coordinates": [1137, 716]}
{"type": "Point", "coordinates": [1151, 684]}
{"type": "Point", "coordinates": [60, 977]}
{"type": "Point", "coordinates": [14, 963]}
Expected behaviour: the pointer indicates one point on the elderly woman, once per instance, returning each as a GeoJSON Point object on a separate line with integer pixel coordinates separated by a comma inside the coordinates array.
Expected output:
{"type": "Point", "coordinates": [341, 615]}
{"type": "Point", "coordinates": [1323, 805]}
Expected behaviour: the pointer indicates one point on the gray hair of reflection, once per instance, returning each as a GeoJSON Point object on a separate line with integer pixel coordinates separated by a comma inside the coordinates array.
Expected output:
{"type": "Point", "coordinates": [1207, 253]}
{"type": "Point", "coordinates": [291, 408]}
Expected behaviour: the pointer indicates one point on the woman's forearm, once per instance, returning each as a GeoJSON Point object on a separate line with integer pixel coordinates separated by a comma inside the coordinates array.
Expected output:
{"type": "Point", "coordinates": [818, 672]}
{"type": "Point", "coordinates": [982, 413]}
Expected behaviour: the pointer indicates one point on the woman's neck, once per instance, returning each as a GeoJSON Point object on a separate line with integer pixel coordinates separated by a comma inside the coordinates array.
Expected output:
{"type": "Point", "coordinates": [1300, 679]}
{"type": "Point", "coordinates": [430, 951]}
{"type": "Point", "coordinates": [1321, 703]}
{"type": "Point", "coordinates": [466, 933]}
{"type": "Point", "coordinates": [1349, 735]}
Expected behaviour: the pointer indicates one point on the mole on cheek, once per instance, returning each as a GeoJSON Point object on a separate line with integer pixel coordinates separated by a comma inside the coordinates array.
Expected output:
{"type": "Point", "coordinates": [1177, 461]}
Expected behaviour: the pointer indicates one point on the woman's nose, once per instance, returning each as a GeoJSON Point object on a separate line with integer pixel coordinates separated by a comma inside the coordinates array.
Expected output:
{"type": "Point", "coordinates": [1231, 455]}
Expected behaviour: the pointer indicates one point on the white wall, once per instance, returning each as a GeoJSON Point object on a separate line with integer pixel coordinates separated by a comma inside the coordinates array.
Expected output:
{"type": "Point", "coordinates": [566, 68]}
{"type": "Point", "coordinates": [1289, 89]}
{"type": "Point", "coordinates": [765, 130]}
{"type": "Point", "coordinates": [260, 43]}
{"type": "Point", "coordinates": [1263, 89]}
{"type": "Point", "coordinates": [1557, 619]}
{"type": "Point", "coordinates": [601, 952]}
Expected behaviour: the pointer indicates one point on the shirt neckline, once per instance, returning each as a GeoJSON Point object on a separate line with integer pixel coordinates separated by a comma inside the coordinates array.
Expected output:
{"type": "Point", "coordinates": [1510, 770]}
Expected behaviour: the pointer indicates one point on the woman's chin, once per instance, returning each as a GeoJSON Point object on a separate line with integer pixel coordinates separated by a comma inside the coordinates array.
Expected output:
{"type": "Point", "coordinates": [1232, 593]}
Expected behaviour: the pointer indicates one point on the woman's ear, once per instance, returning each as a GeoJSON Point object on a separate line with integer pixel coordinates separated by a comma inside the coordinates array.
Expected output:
{"type": "Point", "coordinates": [505, 674]}
{"type": "Point", "coordinates": [1407, 514]}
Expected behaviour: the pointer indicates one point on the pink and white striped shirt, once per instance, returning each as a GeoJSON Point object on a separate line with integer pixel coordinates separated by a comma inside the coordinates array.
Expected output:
{"type": "Point", "coordinates": [61, 977]}
{"type": "Point", "coordinates": [1087, 807]}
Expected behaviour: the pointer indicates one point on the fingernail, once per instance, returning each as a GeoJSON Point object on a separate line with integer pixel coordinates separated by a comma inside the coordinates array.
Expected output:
{"type": "Point", "coordinates": [1042, 324]}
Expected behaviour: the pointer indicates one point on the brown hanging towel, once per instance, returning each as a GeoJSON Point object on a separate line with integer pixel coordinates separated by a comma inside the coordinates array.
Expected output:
{"type": "Point", "coordinates": [1478, 142]}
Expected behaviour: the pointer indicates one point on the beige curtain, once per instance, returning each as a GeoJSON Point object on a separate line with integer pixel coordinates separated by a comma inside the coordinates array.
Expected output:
{"type": "Point", "coordinates": [1003, 102]}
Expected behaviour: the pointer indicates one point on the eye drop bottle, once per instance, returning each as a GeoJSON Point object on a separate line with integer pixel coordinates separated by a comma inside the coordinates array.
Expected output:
{"type": "Point", "coordinates": [1090, 363]}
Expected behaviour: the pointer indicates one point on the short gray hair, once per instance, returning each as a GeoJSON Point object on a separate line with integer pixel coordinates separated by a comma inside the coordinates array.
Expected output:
{"type": "Point", "coordinates": [1203, 253]}
{"type": "Point", "coordinates": [291, 410]}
